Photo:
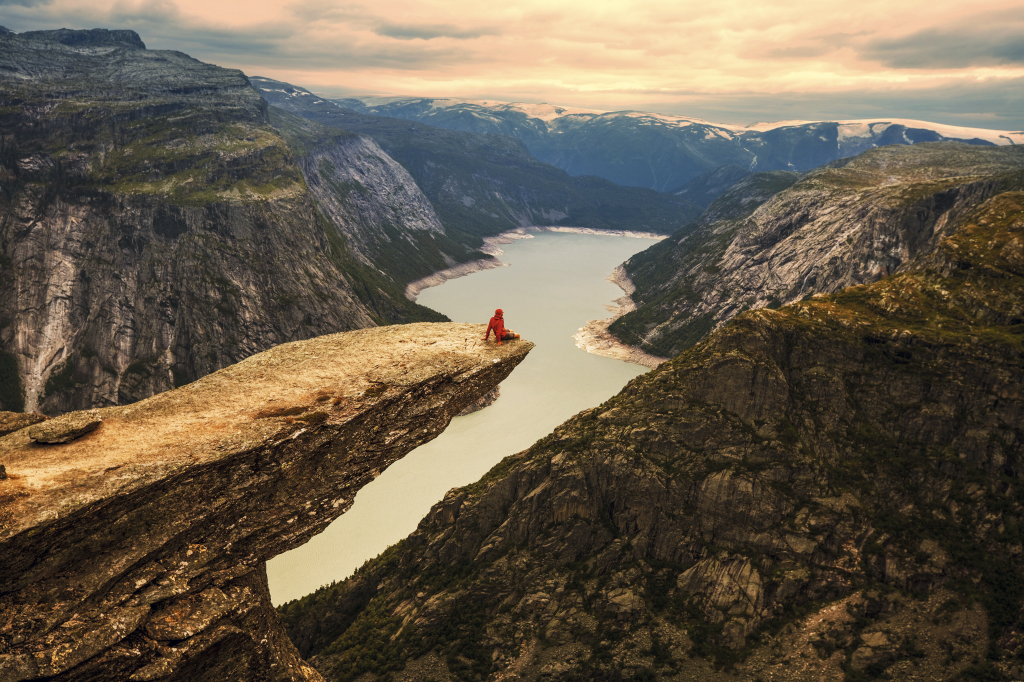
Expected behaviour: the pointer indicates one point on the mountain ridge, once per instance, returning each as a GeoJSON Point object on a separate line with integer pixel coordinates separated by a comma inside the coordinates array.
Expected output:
{"type": "Point", "coordinates": [850, 222]}
{"type": "Point", "coordinates": [482, 185]}
{"type": "Point", "coordinates": [663, 151]}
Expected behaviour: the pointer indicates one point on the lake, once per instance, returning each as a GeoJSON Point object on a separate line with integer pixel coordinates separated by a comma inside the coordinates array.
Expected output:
{"type": "Point", "coordinates": [554, 285]}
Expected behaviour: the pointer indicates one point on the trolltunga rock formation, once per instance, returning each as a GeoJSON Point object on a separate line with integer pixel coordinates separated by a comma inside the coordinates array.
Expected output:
{"type": "Point", "coordinates": [137, 551]}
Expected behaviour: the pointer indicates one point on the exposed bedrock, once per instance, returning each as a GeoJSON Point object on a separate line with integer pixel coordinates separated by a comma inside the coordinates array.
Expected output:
{"type": "Point", "coordinates": [137, 550]}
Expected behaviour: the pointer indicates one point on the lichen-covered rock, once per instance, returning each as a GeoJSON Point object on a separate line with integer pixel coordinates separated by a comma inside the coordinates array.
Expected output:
{"type": "Point", "coordinates": [13, 421]}
{"type": "Point", "coordinates": [66, 427]}
{"type": "Point", "coordinates": [139, 551]}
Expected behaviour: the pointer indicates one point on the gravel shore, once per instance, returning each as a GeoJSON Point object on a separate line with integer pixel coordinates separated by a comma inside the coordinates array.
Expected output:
{"type": "Point", "coordinates": [595, 338]}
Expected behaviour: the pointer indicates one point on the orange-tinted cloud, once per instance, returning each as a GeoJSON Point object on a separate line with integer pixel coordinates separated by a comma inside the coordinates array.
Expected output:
{"type": "Point", "coordinates": [607, 54]}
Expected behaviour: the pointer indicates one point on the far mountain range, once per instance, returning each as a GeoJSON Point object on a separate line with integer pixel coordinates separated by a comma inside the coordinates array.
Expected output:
{"type": "Point", "coordinates": [660, 151]}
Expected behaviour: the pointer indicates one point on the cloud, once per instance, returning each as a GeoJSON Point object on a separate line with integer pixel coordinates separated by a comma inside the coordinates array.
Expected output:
{"type": "Point", "coordinates": [747, 61]}
{"type": "Point", "coordinates": [935, 49]}
{"type": "Point", "coordinates": [429, 32]}
{"type": "Point", "coordinates": [24, 3]}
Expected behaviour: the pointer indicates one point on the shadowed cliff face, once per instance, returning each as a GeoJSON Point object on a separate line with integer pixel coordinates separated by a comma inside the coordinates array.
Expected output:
{"type": "Point", "coordinates": [387, 221]}
{"type": "Point", "coordinates": [153, 226]}
{"type": "Point", "coordinates": [831, 490]}
{"type": "Point", "coordinates": [763, 245]}
{"type": "Point", "coordinates": [137, 550]}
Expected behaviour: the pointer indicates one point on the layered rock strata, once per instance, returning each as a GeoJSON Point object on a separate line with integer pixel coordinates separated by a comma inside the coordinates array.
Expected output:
{"type": "Point", "coordinates": [137, 551]}
{"type": "Point", "coordinates": [767, 241]}
{"type": "Point", "coordinates": [832, 490]}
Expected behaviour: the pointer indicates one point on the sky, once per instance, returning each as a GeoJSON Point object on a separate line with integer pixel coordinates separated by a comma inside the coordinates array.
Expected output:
{"type": "Point", "coordinates": [728, 61]}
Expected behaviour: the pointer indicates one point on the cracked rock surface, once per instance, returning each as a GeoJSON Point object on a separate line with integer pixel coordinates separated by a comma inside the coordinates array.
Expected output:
{"type": "Point", "coordinates": [138, 551]}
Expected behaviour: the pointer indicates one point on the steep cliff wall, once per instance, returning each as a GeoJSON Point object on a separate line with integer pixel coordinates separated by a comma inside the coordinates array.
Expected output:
{"type": "Point", "coordinates": [831, 490]}
{"type": "Point", "coordinates": [137, 551]}
{"type": "Point", "coordinates": [153, 226]}
{"type": "Point", "coordinates": [387, 221]}
{"type": "Point", "coordinates": [847, 223]}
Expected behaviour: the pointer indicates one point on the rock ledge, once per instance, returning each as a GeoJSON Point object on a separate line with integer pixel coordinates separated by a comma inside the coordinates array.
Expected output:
{"type": "Point", "coordinates": [138, 551]}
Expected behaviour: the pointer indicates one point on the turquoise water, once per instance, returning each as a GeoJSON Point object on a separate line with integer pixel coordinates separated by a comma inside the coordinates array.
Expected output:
{"type": "Point", "coordinates": [554, 285]}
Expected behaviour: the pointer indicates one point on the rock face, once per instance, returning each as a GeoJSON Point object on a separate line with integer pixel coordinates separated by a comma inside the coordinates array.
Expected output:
{"type": "Point", "coordinates": [137, 551]}
{"type": "Point", "coordinates": [832, 490]}
{"type": "Point", "coordinates": [848, 223]}
{"type": "Point", "coordinates": [13, 421]}
{"type": "Point", "coordinates": [374, 202]}
{"type": "Point", "coordinates": [153, 226]}
{"type": "Point", "coordinates": [65, 428]}
{"type": "Point", "coordinates": [709, 185]}
{"type": "Point", "coordinates": [486, 400]}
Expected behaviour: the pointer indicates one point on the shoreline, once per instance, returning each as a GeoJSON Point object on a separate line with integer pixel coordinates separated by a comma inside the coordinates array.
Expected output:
{"type": "Point", "coordinates": [492, 247]}
{"type": "Point", "coordinates": [594, 337]}
{"type": "Point", "coordinates": [413, 289]}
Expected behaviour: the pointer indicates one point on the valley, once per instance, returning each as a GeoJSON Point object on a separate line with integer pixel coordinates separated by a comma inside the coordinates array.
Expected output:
{"type": "Point", "coordinates": [221, 321]}
{"type": "Point", "coordinates": [553, 285]}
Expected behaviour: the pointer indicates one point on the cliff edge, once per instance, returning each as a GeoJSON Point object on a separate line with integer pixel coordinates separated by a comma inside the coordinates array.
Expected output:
{"type": "Point", "coordinates": [137, 550]}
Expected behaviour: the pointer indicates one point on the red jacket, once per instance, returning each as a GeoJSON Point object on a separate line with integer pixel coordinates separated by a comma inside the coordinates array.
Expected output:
{"type": "Point", "coordinates": [497, 323]}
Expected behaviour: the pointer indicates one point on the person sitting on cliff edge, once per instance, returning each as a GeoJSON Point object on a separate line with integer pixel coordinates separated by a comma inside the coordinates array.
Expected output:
{"type": "Point", "coordinates": [497, 323]}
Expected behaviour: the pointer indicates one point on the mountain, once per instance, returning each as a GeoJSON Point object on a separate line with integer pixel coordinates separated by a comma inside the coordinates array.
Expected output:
{"type": "Point", "coordinates": [831, 490]}
{"type": "Point", "coordinates": [709, 185]}
{"type": "Point", "coordinates": [768, 241]}
{"type": "Point", "coordinates": [662, 151]}
{"type": "Point", "coordinates": [384, 217]}
{"type": "Point", "coordinates": [482, 185]}
{"type": "Point", "coordinates": [154, 226]}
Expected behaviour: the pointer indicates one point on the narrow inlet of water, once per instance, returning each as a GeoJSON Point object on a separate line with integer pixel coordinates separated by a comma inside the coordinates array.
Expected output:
{"type": "Point", "coordinates": [554, 285]}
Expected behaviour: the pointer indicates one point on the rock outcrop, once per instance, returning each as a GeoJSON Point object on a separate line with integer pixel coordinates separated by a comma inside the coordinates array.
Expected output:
{"type": "Point", "coordinates": [137, 551]}
{"type": "Point", "coordinates": [767, 242]}
{"type": "Point", "coordinates": [831, 490]}
{"type": "Point", "coordinates": [154, 226]}
{"type": "Point", "coordinates": [387, 220]}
